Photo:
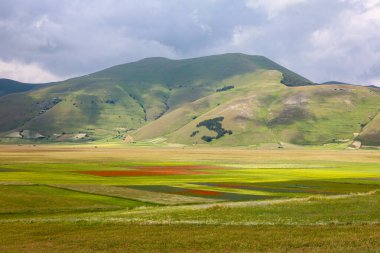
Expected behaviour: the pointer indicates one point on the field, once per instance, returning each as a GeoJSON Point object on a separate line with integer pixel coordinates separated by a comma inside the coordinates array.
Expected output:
{"type": "Point", "coordinates": [147, 199]}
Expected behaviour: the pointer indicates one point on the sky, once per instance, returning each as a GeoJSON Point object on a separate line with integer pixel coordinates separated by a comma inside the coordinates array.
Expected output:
{"type": "Point", "coordinates": [323, 40]}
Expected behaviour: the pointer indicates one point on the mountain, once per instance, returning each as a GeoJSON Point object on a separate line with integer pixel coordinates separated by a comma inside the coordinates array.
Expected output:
{"type": "Point", "coordinates": [226, 100]}
{"type": "Point", "coordinates": [334, 82]}
{"type": "Point", "coordinates": [8, 86]}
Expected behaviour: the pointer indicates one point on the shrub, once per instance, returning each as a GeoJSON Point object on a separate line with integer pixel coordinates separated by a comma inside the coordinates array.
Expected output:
{"type": "Point", "coordinates": [228, 87]}
{"type": "Point", "coordinates": [194, 133]}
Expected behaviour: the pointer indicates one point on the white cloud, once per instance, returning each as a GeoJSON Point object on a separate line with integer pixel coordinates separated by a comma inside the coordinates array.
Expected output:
{"type": "Point", "coordinates": [204, 27]}
{"type": "Point", "coordinates": [28, 73]}
{"type": "Point", "coordinates": [363, 3]}
{"type": "Point", "coordinates": [41, 22]}
{"type": "Point", "coordinates": [353, 39]}
{"type": "Point", "coordinates": [244, 34]}
{"type": "Point", "coordinates": [273, 7]}
{"type": "Point", "coordinates": [320, 39]}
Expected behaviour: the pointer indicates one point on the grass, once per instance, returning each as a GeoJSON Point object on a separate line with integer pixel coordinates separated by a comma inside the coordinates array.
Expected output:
{"type": "Point", "coordinates": [34, 199]}
{"type": "Point", "coordinates": [140, 195]}
{"type": "Point", "coordinates": [260, 110]}
{"type": "Point", "coordinates": [64, 237]}
{"type": "Point", "coordinates": [309, 200]}
{"type": "Point", "coordinates": [342, 210]}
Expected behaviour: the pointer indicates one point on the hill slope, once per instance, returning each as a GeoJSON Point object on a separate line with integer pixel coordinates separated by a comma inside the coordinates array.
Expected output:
{"type": "Point", "coordinates": [8, 86]}
{"type": "Point", "coordinates": [260, 110]}
{"type": "Point", "coordinates": [231, 99]}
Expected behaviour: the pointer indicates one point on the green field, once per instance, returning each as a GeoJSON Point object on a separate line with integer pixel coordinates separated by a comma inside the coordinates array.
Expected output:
{"type": "Point", "coordinates": [136, 199]}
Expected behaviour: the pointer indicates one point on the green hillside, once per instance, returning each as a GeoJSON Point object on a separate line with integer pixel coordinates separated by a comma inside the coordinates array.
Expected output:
{"type": "Point", "coordinates": [371, 132]}
{"type": "Point", "coordinates": [230, 99]}
{"type": "Point", "coordinates": [8, 86]}
{"type": "Point", "coordinates": [260, 110]}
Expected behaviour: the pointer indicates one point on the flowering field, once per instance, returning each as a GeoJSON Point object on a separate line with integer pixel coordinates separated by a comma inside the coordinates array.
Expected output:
{"type": "Point", "coordinates": [188, 191]}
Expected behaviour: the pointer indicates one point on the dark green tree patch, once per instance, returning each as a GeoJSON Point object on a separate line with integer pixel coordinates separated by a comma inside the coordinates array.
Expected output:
{"type": "Point", "coordinates": [110, 101]}
{"type": "Point", "coordinates": [48, 104]}
{"type": "Point", "coordinates": [194, 133]}
{"type": "Point", "coordinates": [293, 80]}
{"type": "Point", "coordinates": [228, 87]}
{"type": "Point", "coordinates": [214, 125]}
{"type": "Point", "coordinates": [207, 138]}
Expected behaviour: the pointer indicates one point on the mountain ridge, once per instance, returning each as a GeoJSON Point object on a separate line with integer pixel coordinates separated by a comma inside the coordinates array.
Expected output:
{"type": "Point", "coordinates": [259, 100]}
{"type": "Point", "coordinates": [9, 86]}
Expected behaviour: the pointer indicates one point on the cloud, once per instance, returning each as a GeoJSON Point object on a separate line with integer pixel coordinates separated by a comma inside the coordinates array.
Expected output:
{"type": "Point", "coordinates": [320, 39]}
{"type": "Point", "coordinates": [353, 38]}
{"type": "Point", "coordinates": [273, 7]}
{"type": "Point", "coordinates": [242, 35]}
{"type": "Point", "coordinates": [80, 37]}
{"type": "Point", "coordinates": [28, 73]}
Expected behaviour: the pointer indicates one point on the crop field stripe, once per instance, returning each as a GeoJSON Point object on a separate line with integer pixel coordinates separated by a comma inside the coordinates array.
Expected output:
{"type": "Point", "coordinates": [257, 203]}
{"type": "Point", "coordinates": [97, 194]}
{"type": "Point", "coordinates": [70, 188]}
{"type": "Point", "coordinates": [30, 200]}
{"type": "Point", "coordinates": [192, 191]}
{"type": "Point", "coordinates": [133, 194]}
{"type": "Point", "coordinates": [168, 170]}
{"type": "Point", "coordinates": [117, 216]}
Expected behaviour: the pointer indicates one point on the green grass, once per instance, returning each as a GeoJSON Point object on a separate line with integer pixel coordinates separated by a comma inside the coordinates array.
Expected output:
{"type": "Point", "coordinates": [310, 200]}
{"type": "Point", "coordinates": [64, 237]}
{"type": "Point", "coordinates": [354, 209]}
{"type": "Point", "coordinates": [370, 134]}
{"type": "Point", "coordinates": [34, 199]}
{"type": "Point", "coordinates": [349, 224]}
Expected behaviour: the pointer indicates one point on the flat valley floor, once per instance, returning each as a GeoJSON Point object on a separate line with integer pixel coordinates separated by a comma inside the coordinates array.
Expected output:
{"type": "Point", "coordinates": [161, 199]}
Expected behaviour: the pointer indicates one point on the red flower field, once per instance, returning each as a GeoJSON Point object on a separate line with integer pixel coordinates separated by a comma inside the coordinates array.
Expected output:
{"type": "Point", "coordinates": [152, 171]}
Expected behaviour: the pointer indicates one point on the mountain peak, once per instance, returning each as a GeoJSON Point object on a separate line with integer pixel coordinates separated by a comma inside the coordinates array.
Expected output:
{"type": "Point", "coordinates": [228, 99]}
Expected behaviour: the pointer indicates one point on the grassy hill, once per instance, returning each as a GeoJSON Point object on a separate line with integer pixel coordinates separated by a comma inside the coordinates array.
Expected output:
{"type": "Point", "coordinates": [260, 110]}
{"type": "Point", "coordinates": [371, 132]}
{"type": "Point", "coordinates": [8, 86]}
{"type": "Point", "coordinates": [230, 99]}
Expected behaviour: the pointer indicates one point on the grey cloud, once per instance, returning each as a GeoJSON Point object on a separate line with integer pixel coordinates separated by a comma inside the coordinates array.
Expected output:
{"type": "Point", "coordinates": [68, 38]}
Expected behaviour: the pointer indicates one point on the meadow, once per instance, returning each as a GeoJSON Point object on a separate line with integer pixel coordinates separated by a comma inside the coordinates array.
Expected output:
{"type": "Point", "coordinates": [102, 198]}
